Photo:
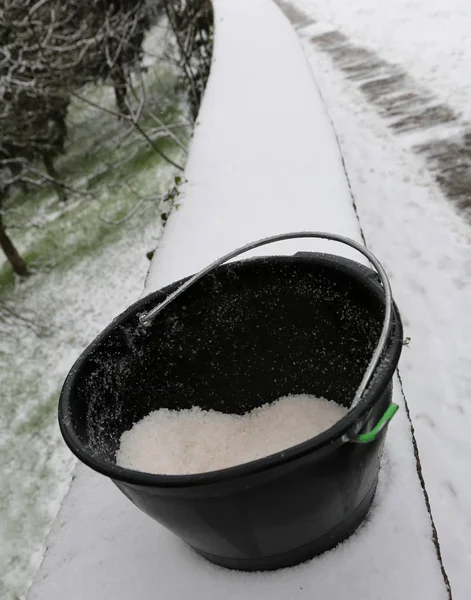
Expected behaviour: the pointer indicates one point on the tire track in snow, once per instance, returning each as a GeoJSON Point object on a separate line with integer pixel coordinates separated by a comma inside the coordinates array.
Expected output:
{"type": "Point", "coordinates": [436, 132]}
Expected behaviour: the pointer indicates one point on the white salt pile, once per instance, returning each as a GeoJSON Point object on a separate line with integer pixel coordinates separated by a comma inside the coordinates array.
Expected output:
{"type": "Point", "coordinates": [196, 441]}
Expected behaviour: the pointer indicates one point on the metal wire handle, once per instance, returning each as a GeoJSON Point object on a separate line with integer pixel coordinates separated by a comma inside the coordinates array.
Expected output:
{"type": "Point", "coordinates": [147, 318]}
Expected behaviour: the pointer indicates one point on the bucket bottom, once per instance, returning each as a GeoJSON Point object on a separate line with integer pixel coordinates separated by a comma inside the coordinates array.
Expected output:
{"type": "Point", "coordinates": [294, 557]}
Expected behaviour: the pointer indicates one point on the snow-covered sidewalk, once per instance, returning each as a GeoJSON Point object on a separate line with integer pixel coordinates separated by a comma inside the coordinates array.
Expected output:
{"type": "Point", "coordinates": [264, 160]}
{"type": "Point", "coordinates": [410, 222]}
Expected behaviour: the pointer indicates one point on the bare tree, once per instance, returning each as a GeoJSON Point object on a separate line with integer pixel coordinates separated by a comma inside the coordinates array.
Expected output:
{"type": "Point", "coordinates": [192, 22]}
{"type": "Point", "coordinates": [18, 264]}
{"type": "Point", "coordinates": [10, 173]}
{"type": "Point", "coordinates": [49, 49]}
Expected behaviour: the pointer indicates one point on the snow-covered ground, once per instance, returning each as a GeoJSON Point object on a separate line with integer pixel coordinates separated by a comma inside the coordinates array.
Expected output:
{"type": "Point", "coordinates": [430, 38]}
{"type": "Point", "coordinates": [426, 250]}
{"type": "Point", "coordinates": [36, 467]}
{"type": "Point", "coordinates": [87, 270]}
{"type": "Point", "coordinates": [263, 160]}
{"type": "Point", "coordinates": [424, 242]}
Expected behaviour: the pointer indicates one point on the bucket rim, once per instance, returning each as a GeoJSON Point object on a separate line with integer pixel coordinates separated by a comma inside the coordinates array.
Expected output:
{"type": "Point", "coordinates": [328, 440]}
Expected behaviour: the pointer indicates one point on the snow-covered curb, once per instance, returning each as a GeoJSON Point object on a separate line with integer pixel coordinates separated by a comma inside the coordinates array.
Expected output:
{"type": "Point", "coordinates": [263, 160]}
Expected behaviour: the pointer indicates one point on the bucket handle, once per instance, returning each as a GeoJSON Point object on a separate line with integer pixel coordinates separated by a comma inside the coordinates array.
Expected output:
{"type": "Point", "coordinates": [147, 318]}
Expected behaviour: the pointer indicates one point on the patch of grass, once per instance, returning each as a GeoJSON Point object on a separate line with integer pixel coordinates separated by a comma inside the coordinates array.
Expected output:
{"type": "Point", "coordinates": [102, 154]}
{"type": "Point", "coordinates": [80, 263]}
{"type": "Point", "coordinates": [7, 279]}
{"type": "Point", "coordinates": [40, 416]}
{"type": "Point", "coordinates": [111, 177]}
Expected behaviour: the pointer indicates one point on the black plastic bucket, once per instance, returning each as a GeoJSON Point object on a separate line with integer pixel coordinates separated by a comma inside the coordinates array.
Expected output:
{"type": "Point", "coordinates": [245, 334]}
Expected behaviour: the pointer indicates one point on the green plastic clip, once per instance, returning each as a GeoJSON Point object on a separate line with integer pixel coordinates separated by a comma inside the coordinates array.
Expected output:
{"type": "Point", "coordinates": [370, 436]}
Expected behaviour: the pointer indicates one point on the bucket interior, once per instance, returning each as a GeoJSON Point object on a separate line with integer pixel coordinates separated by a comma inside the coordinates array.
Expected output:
{"type": "Point", "coordinates": [243, 336]}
